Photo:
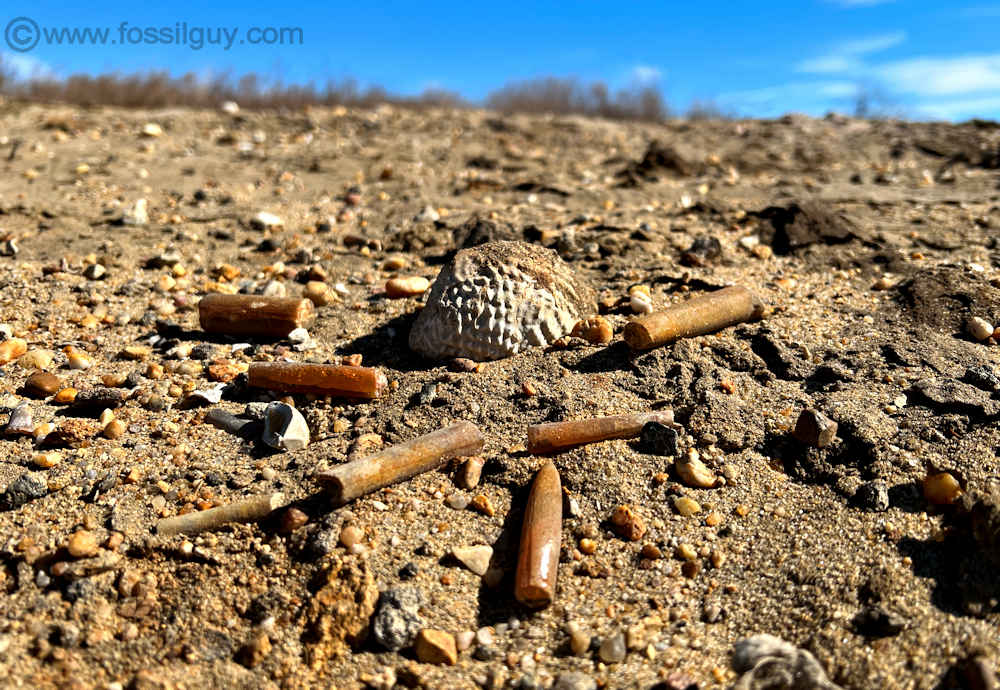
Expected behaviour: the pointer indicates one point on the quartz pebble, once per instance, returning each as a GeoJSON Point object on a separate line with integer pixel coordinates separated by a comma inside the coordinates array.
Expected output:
{"type": "Point", "coordinates": [470, 472]}
{"type": "Point", "coordinates": [612, 649]}
{"type": "Point", "coordinates": [693, 472]}
{"type": "Point", "coordinates": [266, 221]}
{"type": "Point", "coordinates": [475, 558]}
{"type": "Point", "coordinates": [11, 349]}
{"type": "Point", "coordinates": [574, 680]}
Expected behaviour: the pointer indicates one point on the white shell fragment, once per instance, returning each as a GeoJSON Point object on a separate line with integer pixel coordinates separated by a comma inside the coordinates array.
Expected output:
{"type": "Point", "coordinates": [136, 214]}
{"type": "Point", "coordinates": [497, 299]}
{"type": "Point", "coordinates": [284, 427]}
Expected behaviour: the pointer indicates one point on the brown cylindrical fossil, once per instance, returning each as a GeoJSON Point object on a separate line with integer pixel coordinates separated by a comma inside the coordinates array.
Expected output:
{"type": "Point", "coordinates": [273, 317]}
{"type": "Point", "coordinates": [400, 462]}
{"type": "Point", "coordinates": [696, 316]}
{"type": "Point", "coordinates": [248, 510]}
{"type": "Point", "coordinates": [555, 436]}
{"type": "Point", "coordinates": [322, 379]}
{"type": "Point", "coordinates": [541, 533]}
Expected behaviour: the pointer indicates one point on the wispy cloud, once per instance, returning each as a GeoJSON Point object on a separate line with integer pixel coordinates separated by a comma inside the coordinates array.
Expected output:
{"type": "Point", "coordinates": [959, 109]}
{"type": "Point", "coordinates": [945, 76]}
{"type": "Point", "coordinates": [791, 92]}
{"type": "Point", "coordinates": [848, 56]}
{"type": "Point", "coordinates": [645, 74]}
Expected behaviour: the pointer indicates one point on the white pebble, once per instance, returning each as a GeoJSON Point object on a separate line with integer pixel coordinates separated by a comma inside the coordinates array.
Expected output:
{"type": "Point", "coordinates": [979, 328]}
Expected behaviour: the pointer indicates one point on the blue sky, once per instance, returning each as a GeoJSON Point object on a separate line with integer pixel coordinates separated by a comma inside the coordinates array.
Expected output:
{"type": "Point", "coordinates": [929, 60]}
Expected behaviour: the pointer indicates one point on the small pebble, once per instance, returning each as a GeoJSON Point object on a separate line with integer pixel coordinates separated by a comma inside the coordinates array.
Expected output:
{"type": "Point", "coordinates": [596, 330]}
{"type": "Point", "coordinates": [412, 286]}
{"type": "Point", "coordinates": [42, 384]}
{"type": "Point", "coordinates": [941, 489]}
{"type": "Point", "coordinates": [815, 428]}
{"type": "Point", "coordinates": [351, 535]}
{"type": "Point", "coordinates": [82, 544]}
{"type": "Point", "coordinates": [686, 506]}
{"type": "Point", "coordinates": [612, 649]}
{"type": "Point", "coordinates": [475, 558]}
{"type": "Point", "coordinates": [627, 523]}
{"type": "Point", "coordinates": [979, 328]}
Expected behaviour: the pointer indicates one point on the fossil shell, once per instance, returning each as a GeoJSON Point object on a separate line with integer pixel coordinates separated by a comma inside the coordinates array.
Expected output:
{"type": "Point", "coordinates": [497, 299]}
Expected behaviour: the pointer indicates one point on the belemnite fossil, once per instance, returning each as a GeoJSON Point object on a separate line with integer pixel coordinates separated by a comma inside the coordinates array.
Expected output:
{"type": "Point", "coordinates": [500, 298]}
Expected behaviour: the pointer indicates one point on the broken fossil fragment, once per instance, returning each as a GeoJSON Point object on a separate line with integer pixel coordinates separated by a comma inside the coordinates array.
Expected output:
{"type": "Point", "coordinates": [497, 299]}
{"type": "Point", "coordinates": [284, 427]}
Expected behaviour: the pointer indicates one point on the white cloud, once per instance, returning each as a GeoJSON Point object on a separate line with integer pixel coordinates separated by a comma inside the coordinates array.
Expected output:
{"type": "Point", "coordinates": [645, 74]}
{"type": "Point", "coordinates": [792, 92]}
{"type": "Point", "coordinates": [960, 109]}
{"type": "Point", "coordinates": [846, 56]}
{"type": "Point", "coordinates": [942, 76]}
{"type": "Point", "coordinates": [24, 67]}
{"type": "Point", "coordinates": [872, 44]}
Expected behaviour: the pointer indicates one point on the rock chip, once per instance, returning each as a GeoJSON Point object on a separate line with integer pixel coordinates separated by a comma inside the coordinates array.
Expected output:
{"type": "Point", "coordinates": [27, 487]}
{"type": "Point", "coordinates": [436, 647]}
{"type": "Point", "coordinates": [815, 428]}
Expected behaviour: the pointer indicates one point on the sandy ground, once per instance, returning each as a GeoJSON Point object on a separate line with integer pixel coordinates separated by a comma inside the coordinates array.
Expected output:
{"type": "Point", "coordinates": [873, 244]}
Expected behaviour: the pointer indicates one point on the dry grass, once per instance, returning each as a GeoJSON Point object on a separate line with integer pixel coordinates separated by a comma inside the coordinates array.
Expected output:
{"type": "Point", "coordinates": [161, 90]}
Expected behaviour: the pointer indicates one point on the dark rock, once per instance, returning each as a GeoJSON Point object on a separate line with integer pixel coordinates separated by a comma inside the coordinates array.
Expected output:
{"type": "Point", "coordinates": [658, 160]}
{"type": "Point", "coordinates": [800, 224]}
{"type": "Point", "coordinates": [226, 421]}
{"type": "Point", "coordinates": [659, 439]}
{"type": "Point", "coordinates": [815, 429]}
{"type": "Point", "coordinates": [873, 496]}
{"type": "Point", "coordinates": [409, 571]}
{"type": "Point", "coordinates": [203, 351]}
{"type": "Point", "coordinates": [476, 231]}
{"type": "Point", "coordinates": [983, 377]}
{"type": "Point", "coordinates": [877, 621]}
{"type": "Point", "coordinates": [96, 400]}
{"type": "Point", "coordinates": [397, 619]}
{"type": "Point", "coordinates": [485, 652]}
{"type": "Point", "coordinates": [944, 395]}
{"type": "Point", "coordinates": [703, 251]}
{"type": "Point", "coordinates": [944, 298]}
{"type": "Point", "coordinates": [27, 487]}
{"type": "Point", "coordinates": [320, 543]}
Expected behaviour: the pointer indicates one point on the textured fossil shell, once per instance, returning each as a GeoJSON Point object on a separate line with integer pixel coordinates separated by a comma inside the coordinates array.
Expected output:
{"type": "Point", "coordinates": [497, 299]}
